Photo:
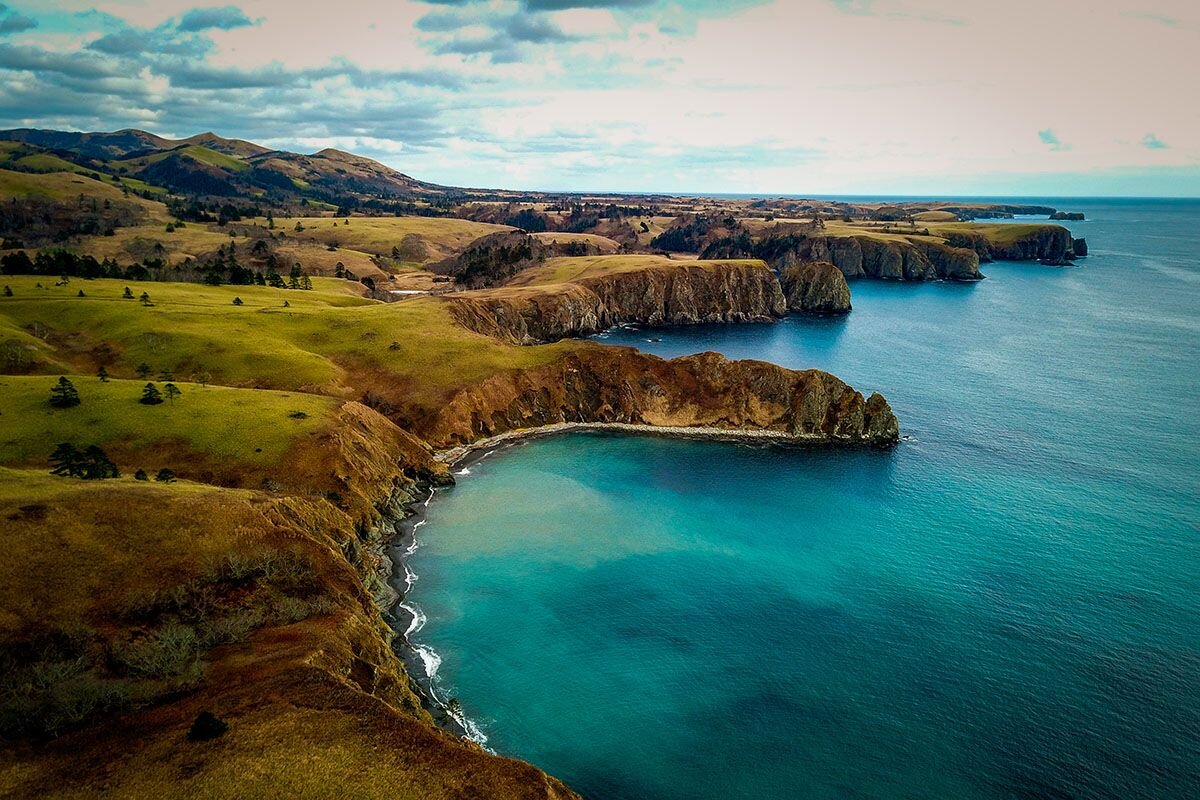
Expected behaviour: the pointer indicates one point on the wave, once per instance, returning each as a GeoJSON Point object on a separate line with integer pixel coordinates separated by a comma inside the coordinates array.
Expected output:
{"type": "Point", "coordinates": [429, 659]}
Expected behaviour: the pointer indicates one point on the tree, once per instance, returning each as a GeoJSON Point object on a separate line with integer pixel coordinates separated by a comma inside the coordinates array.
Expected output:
{"type": "Point", "coordinates": [165, 476]}
{"type": "Point", "coordinates": [8, 291]}
{"type": "Point", "coordinates": [102, 374]}
{"type": "Point", "coordinates": [90, 464]}
{"type": "Point", "coordinates": [81, 294]}
{"type": "Point", "coordinates": [150, 396]}
{"type": "Point", "coordinates": [65, 461]}
{"type": "Point", "coordinates": [97, 465]}
{"type": "Point", "coordinates": [286, 304]}
{"type": "Point", "coordinates": [166, 375]}
{"type": "Point", "coordinates": [64, 395]}
{"type": "Point", "coordinates": [339, 270]}
{"type": "Point", "coordinates": [127, 294]}
{"type": "Point", "coordinates": [143, 370]}
{"type": "Point", "coordinates": [305, 282]}
{"type": "Point", "coordinates": [145, 298]}
{"type": "Point", "coordinates": [270, 220]}
{"type": "Point", "coordinates": [172, 392]}
{"type": "Point", "coordinates": [141, 475]}
{"type": "Point", "coordinates": [237, 301]}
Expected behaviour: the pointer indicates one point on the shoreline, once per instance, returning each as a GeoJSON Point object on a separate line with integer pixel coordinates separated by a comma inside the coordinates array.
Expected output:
{"type": "Point", "coordinates": [407, 619]}
{"type": "Point", "coordinates": [465, 455]}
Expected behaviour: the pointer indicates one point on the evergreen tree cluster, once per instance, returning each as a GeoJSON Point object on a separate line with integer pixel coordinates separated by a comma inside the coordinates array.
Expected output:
{"type": "Point", "coordinates": [91, 463]}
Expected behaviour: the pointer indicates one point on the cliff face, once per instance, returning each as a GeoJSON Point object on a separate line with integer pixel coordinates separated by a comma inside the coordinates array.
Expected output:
{"type": "Point", "coordinates": [253, 606]}
{"type": "Point", "coordinates": [678, 295]}
{"type": "Point", "coordinates": [1051, 244]}
{"type": "Point", "coordinates": [816, 287]}
{"type": "Point", "coordinates": [617, 384]}
{"type": "Point", "coordinates": [913, 259]}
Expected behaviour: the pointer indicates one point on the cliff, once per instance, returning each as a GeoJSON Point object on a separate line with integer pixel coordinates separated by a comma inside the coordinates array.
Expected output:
{"type": "Point", "coordinates": [816, 287]}
{"type": "Point", "coordinates": [682, 293]}
{"type": "Point", "coordinates": [1050, 244]}
{"type": "Point", "coordinates": [253, 606]}
{"type": "Point", "coordinates": [617, 384]}
{"type": "Point", "coordinates": [912, 258]}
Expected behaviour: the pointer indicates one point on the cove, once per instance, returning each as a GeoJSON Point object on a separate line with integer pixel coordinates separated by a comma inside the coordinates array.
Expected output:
{"type": "Point", "coordinates": [1003, 606]}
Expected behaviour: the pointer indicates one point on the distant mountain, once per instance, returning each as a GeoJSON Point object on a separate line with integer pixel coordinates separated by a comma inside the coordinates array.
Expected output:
{"type": "Point", "coordinates": [210, 165]}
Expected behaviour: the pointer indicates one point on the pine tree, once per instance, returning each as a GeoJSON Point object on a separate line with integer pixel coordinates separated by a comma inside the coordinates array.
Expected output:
{"type": "Point", "coordinates": [143, 370]}
{"type": "Point", "coordinates": [165, 476]}
{"type": "Point", "coordinates": [97, 465]}
{"type": "Point", "coordinates": [141, 475]}
{"type": "Point", "coordinates": [127, 294]}
{"type": "Point", "coordinates": [305, 282]}
{"type": "Point", "coordinates": [81, 294]}
{"type": "Point", "coordinates": [145, 298]}
{"type": "Point", "coordinates": [65, 461]}
{"type": "Point", "coordinates": [150, 396]}
{"type": "Point", "coordinates": [102, 374]}
{"type": "Point", "coordinates": [237, 301]}
{"type": "Point", "coordinates": [172, 392]}
{"type": "Point", "coordinates": [166, 375]}
{"type": "Point", "coordinates": [8, 291]}
{"type": "Point", "coordinates": [64, 395]}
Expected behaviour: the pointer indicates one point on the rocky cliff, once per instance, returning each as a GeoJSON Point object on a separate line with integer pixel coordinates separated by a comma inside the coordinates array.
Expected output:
{"type": "Point", "coordinates": [894, 258]}
{"type": "Point", "coordinates": [679, 294]}
{"type": "Point", "coordinates": [1050, 244]}
{"type": "Point", "coordinates": [618, 384]}
{"type": "Point", "coordinates": [815, 287]}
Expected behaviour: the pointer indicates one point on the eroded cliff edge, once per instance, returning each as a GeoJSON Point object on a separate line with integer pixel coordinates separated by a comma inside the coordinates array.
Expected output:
{"type": "Point", "coordinates": [622, 385]}
{"type": "Point", "coordinates": [680, 293]}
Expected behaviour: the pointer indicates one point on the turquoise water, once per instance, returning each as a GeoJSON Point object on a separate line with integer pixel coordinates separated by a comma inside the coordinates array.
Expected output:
{"type": "Point", "coordinates": [1007, 605]}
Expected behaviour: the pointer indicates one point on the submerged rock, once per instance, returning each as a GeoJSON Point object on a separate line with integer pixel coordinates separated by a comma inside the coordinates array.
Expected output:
{"type": "Point", "coordinates": [816, 287]}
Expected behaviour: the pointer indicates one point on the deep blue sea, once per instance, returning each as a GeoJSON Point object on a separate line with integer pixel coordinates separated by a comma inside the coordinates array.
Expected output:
{"type": "Point", "coordinates": [1006, 605]}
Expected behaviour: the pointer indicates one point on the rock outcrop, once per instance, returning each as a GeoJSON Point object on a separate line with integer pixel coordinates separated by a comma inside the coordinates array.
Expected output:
{"type": "Point", "coordinates": [894, 259]}
{"type": "Point", "coordinates": [815, 287]}
{"type": "Point", "coordinates": [619, 384]}
{"type": "Point", "coordinates": [911, 258]}
{"type": "Point", "coordinates": [1050, 244]}
{"type": "Point", "coordinates": [679, 294]}
{"type": "Point", "coordinates": [1081, 248]}
{"type": "Point", "coordinates": [1068, 216]}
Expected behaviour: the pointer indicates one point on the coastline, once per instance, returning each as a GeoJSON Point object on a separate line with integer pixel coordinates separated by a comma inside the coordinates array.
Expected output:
{"type": "Point", "coordinates": [406, 618]}
{"type": "Point", "coordinates": [465, 455]}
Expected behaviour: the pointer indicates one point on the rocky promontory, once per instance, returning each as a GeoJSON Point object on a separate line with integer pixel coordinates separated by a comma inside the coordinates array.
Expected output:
{"type": "Point", "coordinates": [815, 287]}
{"type": "Point", "coordinates": [902, 258]}
{"type": "Point", "coordinates": [1050, 244]}
{"type": "Point", "coordinates": [680, 293]}
{"type": "Point", "coordinates": [622, 385]}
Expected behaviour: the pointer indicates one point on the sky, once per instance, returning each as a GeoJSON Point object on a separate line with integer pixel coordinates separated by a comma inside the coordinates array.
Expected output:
{"type": "Point", "coordinates": [917, 97]}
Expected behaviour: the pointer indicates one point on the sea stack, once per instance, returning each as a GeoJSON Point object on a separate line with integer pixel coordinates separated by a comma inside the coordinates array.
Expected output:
{"type": "Point", "coordinates": [816, 287]}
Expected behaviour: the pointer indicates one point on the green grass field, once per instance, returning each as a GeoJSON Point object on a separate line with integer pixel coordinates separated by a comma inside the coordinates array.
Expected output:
{"type": "Point", "coordinates": [239, 426]}
{"type": "Point", "coordinates": [54, 186]}
{"type": "Point", "coordinates": [329, 341]}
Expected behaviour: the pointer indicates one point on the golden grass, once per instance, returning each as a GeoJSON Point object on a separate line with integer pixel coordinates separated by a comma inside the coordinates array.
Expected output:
{"type": "Point", "coordinates": [378, 235]}
{"type": "Point", "coordinates": [569, 269]}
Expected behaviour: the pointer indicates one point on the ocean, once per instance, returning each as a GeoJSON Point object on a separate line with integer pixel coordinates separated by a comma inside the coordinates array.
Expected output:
{"type": "Point", "coordinates": [1006, 605]}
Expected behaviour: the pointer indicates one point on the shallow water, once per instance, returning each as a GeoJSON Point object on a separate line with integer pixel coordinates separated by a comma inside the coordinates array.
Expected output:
{"type": "Point", "coordinates": [1004, 606]}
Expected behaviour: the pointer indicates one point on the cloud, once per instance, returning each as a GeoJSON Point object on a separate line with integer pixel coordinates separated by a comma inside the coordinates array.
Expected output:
{"type": "Point", "coordinates": [854, 6]}
{"type": "Point", "coordinates": [224, 18]}
{"type": "Point", "coordinates": [1152, 142]}
{"type": "Point", "coordinates": [562, 5]}
{"type": "Point", "coordinates": [1051, 139]}
{"type": "Point", "coordinates": [16, 23]}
